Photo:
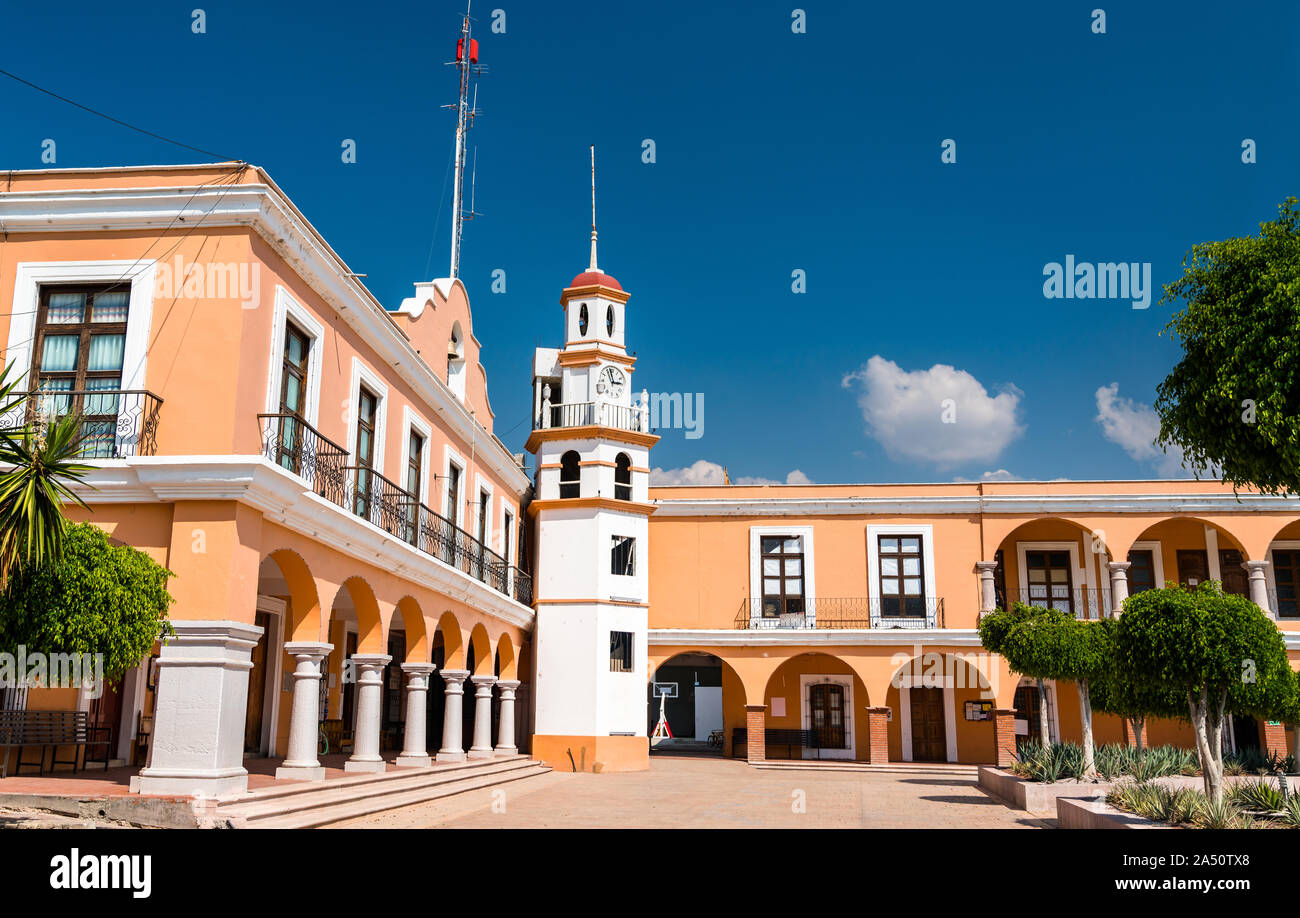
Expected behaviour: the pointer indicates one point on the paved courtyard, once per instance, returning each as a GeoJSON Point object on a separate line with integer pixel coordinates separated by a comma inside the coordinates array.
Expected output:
{"type": "Point", "coordinates": [694, 792]}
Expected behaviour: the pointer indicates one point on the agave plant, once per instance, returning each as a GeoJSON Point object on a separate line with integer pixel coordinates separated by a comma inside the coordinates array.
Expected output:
{"type": "Point", "coordinates": [1220, 814]}
{"type": "Point", "coordinates": [1258, 796]}
{"type": "Point", "coordinates": [1291, 812]}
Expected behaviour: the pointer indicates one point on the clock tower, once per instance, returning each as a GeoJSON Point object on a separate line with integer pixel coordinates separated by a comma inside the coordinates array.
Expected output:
{"type": "Point", "coordinates": [591, 440]}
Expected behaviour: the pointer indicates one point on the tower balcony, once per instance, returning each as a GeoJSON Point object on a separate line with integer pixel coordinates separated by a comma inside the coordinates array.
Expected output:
{"type": "Point", "coordinates": [593, 414]}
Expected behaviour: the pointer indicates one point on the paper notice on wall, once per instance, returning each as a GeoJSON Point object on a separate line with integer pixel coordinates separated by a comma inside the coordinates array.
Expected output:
{"type": "Point", "coordinates": [778, 707]}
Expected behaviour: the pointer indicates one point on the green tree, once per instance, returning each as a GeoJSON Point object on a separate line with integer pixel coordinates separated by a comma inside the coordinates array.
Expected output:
{"type": "Point", "coordinates": [1217, 650]}
{"type": "Point", "coordinates": [1115, 692]}
{"type": "Point", "coordinates": [97, 598]}
{"type": "Point", "coordinates": [995, 629]}
{"type": "Point", "coordinates": [1232, 403]}
{"type": "Point", "coordinates": [40, 465]}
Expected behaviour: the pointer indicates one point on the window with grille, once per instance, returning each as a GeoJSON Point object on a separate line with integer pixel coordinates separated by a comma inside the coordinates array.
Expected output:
{"type": "Point", "coordinates": [1050, 583]}
{"type": "Point", "coordinates": [902, 576]}
{"type": "Point", "coordinates": [783, 575]}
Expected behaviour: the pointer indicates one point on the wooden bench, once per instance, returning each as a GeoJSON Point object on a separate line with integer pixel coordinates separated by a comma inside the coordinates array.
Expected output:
{"type": "Point", "coordinates": [52, 730]}
{"type": "Point", "coordinates": [775, 737]}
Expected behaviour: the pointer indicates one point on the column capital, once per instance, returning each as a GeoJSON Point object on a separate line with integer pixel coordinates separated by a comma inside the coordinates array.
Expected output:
{"type": "Point", "coordinates": [483, 680]}
{"type": "Point", "coordinates": [878, 710]}
{"type": "Point", "coordinates": [1119, 566]}
{"type": "Point", "coordinates": [371, 659]}
{"type": "Point", "coordinates": [1253, 566]}
{"type": "Point", "coordinates": [455, 676]}
{"type": "Point", "coordinates": [508, 685]}
{"type": "Point", "coordinates": [989, 566]}
{"type": "Point", "coordinates": [307, 648]}
{"type": "Point", "coordinates": [419, 669]}
{"type": "Point", "coordinates": [755, 707]}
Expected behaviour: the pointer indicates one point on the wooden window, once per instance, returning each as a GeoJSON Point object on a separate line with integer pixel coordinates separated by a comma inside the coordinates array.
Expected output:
{"type": "Point", "coordinates": [507, 535]}
{"type": "Point", "coordinates": [622, 477]}
{"type": "Point", "coordinates": [1141, 572]}
{"type": "Point", "coordinates": [902, 576]}
{"type": "Point", "coordinates": [79, 347]}
{"type": "Point", "coordinates": [1232, 573]}
{"type": "Point", "coordinates": [622, 556]}
{"type": "Point", "coordinates": [367, 410]}
{"type": "Point", "coordinates": [293, 397]}
{"type": "Point", "coordinates": [570, 475]}
{"type": "Point", "coordinates": [1286, 572]}
{"type": "Point", "coordinates": [414, 483]}
{"type": "Point", "coordinates": [620, 651]}
{"type": "Point", "coordinates": [783, 575]}
{"type": "Point", "coordinates": [1050, 583]}
{"type": "Point", "coordinates": [453, 493]}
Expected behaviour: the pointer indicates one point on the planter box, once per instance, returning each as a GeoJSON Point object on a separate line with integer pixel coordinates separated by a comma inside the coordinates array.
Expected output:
{"type": "Point", "coordinates": [1035, 796]}
{"type": "Point", "coordinates": [1073, 813]}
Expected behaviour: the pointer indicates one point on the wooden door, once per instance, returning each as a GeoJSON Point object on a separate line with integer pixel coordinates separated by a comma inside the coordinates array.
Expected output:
{"type": "Point", "coordinates": [1232, 573]}
{"type": "Point", "coordinates": [929, 743]}
{"type": "Point", "coordinates": [1193, 567]}
{"type": "Point", "coordinates": [826, 703]}
{"type": "Point", "coordinates": [257, 689]}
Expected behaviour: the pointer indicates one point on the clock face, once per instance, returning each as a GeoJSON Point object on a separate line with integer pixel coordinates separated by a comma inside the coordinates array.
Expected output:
{"type": "Point", "coordinates": [610, 381]}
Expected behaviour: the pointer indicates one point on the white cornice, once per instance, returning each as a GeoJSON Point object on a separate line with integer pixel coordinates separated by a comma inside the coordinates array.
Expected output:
{"type": "Point", "coordinates": [282, 499]}
{"type": "Point", "coordinates": [967, 504]}
{"type": "Point", "coordinates": [265, 209]}
{"type": "Point", "coordinates": [841, 637]}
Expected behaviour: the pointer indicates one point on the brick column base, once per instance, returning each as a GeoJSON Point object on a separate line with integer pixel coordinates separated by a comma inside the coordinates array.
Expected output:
{"type": "Point", "coordinates": [1004, 736]}
{"type": "Point", "coordinates": [1131, 736]}
{"type": "Point", "coordinates": [877, 735]}
{"type": "Point", "coordinates": [1275, 739]}
{"type": "Point", "coordinates": [755, 730]}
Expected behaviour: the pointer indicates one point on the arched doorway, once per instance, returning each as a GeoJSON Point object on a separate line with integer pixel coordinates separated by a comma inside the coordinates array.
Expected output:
{"type": "Point", "coordinates": [702, 700]}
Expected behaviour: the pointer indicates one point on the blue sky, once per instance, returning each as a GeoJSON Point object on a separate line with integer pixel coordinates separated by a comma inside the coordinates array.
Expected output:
{"type": "Point", "coordinates": [775, 151]}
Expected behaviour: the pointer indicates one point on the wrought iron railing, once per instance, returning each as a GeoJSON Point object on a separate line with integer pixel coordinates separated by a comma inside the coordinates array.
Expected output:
{"type": "Point", "coordinates": [588, 414]}
{"type": "Point", "coordinates": [1081, 602]}
{"type": "Point", "coordinates": [840, 613]}
{"type": "Point", "coordinates": [295, 445]}
{"type": "Point", "coordinates": [116, 423]}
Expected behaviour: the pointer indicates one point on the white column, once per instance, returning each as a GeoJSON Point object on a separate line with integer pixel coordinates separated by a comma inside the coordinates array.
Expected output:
{"type": "Point", "coordinates": [988, 595]}
{"type": "Point", "coordinates": [198, 739]}
{"type": "Point", "coordinates": [1258, 573]}
{"type": "Point", "coordinates": [1118, 585]}
{"type": "Point", "coordinates": [453, 747]}
{"type": "Point", "coordinates": [369, 669]}
{"type": "Point", "coordinates": [415, 746]}
{"type": "Point", "coordinates": [506, 727]}
{"type": "Point", "coordinates": [482, 748]}
{"type": "Point", "coordinates": [304, 716]}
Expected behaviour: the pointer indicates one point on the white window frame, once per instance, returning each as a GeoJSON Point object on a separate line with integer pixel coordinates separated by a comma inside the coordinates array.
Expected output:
{"type": "Point", "coordinates": [1081, 576]}
{"type": "Point", "coordinates": [449, 458]}
{"type": "Point", "coordinates": [413, 423]}
{"type": "Point", "coordinates": [505, 507]}
{"type": "Point", "coordinates": [286, 309]}
{"type": "Point", "coordinates": [1157, 561]}
{"type": "Point", "coordinates": [850, 720]}
{"type": "Point", "coordinates": [483, 485]}
{"type": "Point", "coordinates": [31, 275]}
{"type": "Point", "coordinates": [756, 534]}
{"type": "Point", "coordinates": [362, 373]}
{"type": "Point", "coordinates": [926, 532]}
{"type": "Point", "coordinates": [1271, 580]}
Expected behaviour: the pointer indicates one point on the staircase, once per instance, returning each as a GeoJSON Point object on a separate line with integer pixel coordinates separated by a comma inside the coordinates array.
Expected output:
{"type": "Point", "coordinates": [306, 804]}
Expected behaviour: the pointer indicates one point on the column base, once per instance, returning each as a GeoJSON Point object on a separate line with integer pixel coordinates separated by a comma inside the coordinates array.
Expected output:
{"type": "Point", "coordinates": [300, 773]}
{"type": "Point", "coordinates": [506, 750]}
{"type": "Point", "coordinates": [596, 754]}
{"type": "Point", "coordinates": [365, 766]}
{"type": "Point", "coordinates": [451, 756]}
{"type": "Point", "coordinates": [480, 753]}
{"type": "Point", "coordinates": [413, 761]}
{"type": "Point", "coordinates": [196, 784]}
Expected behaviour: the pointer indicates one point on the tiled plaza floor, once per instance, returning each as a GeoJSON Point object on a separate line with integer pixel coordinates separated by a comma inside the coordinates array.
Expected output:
{"type": "Point", "coordinates": [693, 792]}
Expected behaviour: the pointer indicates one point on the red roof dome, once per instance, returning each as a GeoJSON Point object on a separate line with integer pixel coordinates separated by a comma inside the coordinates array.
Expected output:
{"type": "Point", "coordinates": [594, 279]}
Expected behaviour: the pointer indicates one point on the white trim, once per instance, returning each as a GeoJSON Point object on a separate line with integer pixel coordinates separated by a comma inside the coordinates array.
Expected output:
{"type": "Point", "coordinates": [449, 458]}
{"type": "Point", "coordinates": [413, 422]}
{"type": "Point", "coordinates": [484, 486]}
{"type": "Point", "coordinates": [1212, 553]}
{"type": "Point", "coordinates": [850, 723]}
{"type": "Point", "coordinates": [362, 373]}
{"type": "Point", "coordinates": [917, 639]}
{"type": "Point", "coordinates": [756, 534]}
{"type": "Point", "coordinates": [926, 533]}
{"type": "Point", "coordinates": [1284, 545]}
{"type": "Point", "coordinates": [503, 507]}
{"type": "Point", "coordinates": [967, 504]}
{"type": "Point", "coordinates": [287, 308]}
{"type": "Point", "coordinates": [139, 317]}
{"type": "Point", "coordinates": [275, 608]}
{"type": "Point", "coordinates": [1157, 561]}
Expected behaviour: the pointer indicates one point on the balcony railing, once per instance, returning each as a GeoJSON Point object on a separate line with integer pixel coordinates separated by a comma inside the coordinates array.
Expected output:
{"type": "Point", "coordinates": [589, 414]}
{"type": "Point", "coordinates": [838, 613]}
{"type": "Point", "coordinates": [1081, 602]}
{"type": "Point", "coordinates": [116, 423]}
{"type": "Point", "coordinates": [295, 445]}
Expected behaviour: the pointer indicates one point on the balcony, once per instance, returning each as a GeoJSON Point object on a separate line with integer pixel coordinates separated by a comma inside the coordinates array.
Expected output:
{"type": "Point", "coordinates": [594, 414]}
{"type": "Point", "coordinates": [296, 446]}
{"type": "Point", "coordinates": [116, 423]}
{"type": "Point", "coordinates": [1081, 602]}
{"type": "Point", "coordinates": [837, 613]}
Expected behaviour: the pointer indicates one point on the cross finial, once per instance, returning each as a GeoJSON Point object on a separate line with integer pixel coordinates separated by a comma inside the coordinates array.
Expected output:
{"type": "Point", "coordinates": [592, 266]}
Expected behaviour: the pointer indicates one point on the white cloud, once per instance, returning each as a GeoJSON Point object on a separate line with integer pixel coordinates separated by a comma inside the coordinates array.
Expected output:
{"type": "Point", "coordinates": [702, 473]}
{"type": "Point", "coordinates": [910, 415]}
{"type": "Point", "coordinates": [998, 475]}
{"type": "Point", "coordinates": [1134, 426]}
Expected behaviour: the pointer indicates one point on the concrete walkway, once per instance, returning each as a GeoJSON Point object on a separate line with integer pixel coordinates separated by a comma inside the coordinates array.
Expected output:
{"type": "Point", "coordinates": [692, 792]}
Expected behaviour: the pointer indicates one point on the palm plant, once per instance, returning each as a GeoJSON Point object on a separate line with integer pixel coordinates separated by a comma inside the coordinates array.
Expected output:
{"type": "Point", "coordinates": [39, 461]}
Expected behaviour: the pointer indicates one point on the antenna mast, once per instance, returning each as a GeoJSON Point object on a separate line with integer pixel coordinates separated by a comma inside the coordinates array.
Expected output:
{"type": "Point", "coordinates": [467, 67]}
{"type": "Point", "coordinates": [592, 266]}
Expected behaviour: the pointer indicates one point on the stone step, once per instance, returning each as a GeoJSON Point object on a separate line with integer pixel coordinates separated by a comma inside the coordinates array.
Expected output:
{"type": "Point", "coordinates": [350, 806]}
{"type": "Point", "coordinates": [313, 795]}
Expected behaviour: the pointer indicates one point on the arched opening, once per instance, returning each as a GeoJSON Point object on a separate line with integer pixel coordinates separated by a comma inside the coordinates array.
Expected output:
{"type": "Point", "coordinates": [609, 321]}
{"type": "Point", "coordinates": [456, 361]}
{"type": "Point", "coordinates": [702, 700]}
{"type": "Point", "coordinates": [446, 652]}
{"type": "Point", "coordinates": [622, 477]}
{"type": "Point", "coordinates": [1053, 563]}
{"type": "Point", "coordinates": [582, 320]}
{"type": "Point", "coordinates": [355, 628]}
{"type": "Point", "coordinates": [407, 643]}
{"type": "Point", "coordinates": [822, 696]}
{"type": "Point", "coordinates": [570, 475]}
{"type": "Point", "coordinates": [479, 661]}
{"type": "Point", "coordinates": [1187, 551]}
{"type": "Point", "coordinates": [941, 708]}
